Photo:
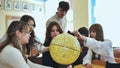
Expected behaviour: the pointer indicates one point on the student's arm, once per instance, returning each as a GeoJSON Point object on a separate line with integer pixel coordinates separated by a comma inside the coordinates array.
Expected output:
{"type": "Point", "coordinates": [14, 58]}
{"type": "Point", "coordinates": [44, 49]}
{"type": "Point", "coordinates": [99, 47]}
{"type": "Point", "coordinates": [88, 59]}
{"type": "Point", "coordinates": [41, 48]}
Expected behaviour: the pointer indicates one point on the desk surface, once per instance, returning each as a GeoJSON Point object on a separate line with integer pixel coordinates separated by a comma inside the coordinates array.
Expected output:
{"type": "Point", "coordinates": [94, 66]}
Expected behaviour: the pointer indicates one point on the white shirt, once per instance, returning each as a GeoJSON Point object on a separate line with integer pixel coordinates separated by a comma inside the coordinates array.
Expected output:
{"type": "Point", "coordinates": [103, 48]}
{"type": "Point", "coordinates": [3, 38]}
{"type": "Point", "coordinates": [11, 57]}
{"type": "Point", "coordinates": [61, 21]}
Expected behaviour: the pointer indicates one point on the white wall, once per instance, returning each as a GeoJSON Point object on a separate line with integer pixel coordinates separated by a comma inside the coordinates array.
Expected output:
{"type": "Point", "coordinates": [107, 13]}
{"type": "Point", "coordinates": [49, 9]}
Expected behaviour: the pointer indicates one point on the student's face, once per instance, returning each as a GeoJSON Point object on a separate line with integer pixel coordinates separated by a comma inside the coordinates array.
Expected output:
{"type": "Point", "coordinates": [31, 24]}
{"type": "Point", "coordinates": [61, 13]}
{"type": "Point", "coordinates": [93, 34]}
{"type": "Point", "coordinates": [54, 31]}
{"type": "Point", "coordinates": [23, 37]}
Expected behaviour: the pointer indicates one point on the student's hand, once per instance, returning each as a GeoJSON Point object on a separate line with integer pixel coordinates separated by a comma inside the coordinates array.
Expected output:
{"type": "Point", "coordinates": [34, 52]}
{"type": "Point", "coordinates": [79, 36]}
{"type": "Point", "coordinates": [70, 66]}
{"type": "Point", "coordinates": [88, 66]}
{"type": "Point", "coordinates": [45, 49]}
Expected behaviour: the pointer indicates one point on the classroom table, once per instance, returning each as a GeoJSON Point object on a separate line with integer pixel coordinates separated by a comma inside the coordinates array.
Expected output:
{"type": "Point", "coordinates": [94, 66]}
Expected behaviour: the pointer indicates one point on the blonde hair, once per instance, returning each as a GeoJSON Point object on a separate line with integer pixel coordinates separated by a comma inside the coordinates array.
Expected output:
{"type": "Point", "coordinates": [11, 37]}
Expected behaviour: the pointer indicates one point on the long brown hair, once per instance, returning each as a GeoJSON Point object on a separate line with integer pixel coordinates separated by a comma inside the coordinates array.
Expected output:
{"type": "Point", "coordinates": [32, 39]}
{"type": "Point", "coordinates": [99, 31]}
{"type": "Point", "coordinates": [49, 28]}
{"type": "Point", "coordinates": [11, 37]}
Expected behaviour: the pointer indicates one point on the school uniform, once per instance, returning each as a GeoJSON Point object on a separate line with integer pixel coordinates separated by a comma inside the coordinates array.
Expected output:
{"type": "Point", "coordinates": [102, 48]}
{"type": "Point", "coordinates": [11, 57]}
{"type": "Point", "coordinates": [62, 21]}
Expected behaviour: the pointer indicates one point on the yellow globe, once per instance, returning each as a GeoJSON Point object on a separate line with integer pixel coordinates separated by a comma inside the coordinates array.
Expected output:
{"type": "Point", "coordinates": [65, 49]}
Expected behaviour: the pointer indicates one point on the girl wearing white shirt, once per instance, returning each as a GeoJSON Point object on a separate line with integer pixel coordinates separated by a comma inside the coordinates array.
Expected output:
{"type": "Point", "coordinates": [12, 54]}
{"type": "Point", "coordinates": [98, 45]}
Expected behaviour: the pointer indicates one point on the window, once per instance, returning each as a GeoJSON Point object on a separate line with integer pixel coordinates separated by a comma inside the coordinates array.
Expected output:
{"type": "Point", "coordinates": [106, 12]}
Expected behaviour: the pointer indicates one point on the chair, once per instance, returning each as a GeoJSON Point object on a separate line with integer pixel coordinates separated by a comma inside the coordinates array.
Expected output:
{"type": "Point", "coordinates": [112, 65]}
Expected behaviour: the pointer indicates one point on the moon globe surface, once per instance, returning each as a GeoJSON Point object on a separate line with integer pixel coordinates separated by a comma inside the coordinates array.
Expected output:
{"type": "Point", "coordinates": [64, 49]}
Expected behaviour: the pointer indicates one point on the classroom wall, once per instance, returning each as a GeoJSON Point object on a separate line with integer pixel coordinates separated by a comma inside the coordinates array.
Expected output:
{"type": "Point", "coordinates": [3, 14]}
{"type": "Point", "coordinates": [80, 13]}
{"type": "Point", "coordinates": [80, 16]}
{"type": "Point", "coordinates": [12, 12]}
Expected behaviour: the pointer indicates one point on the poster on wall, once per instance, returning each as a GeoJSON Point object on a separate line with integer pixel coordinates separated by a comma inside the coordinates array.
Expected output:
{"type": "Point", "coordinates": [33, 7]}
{"type": "Point", "coordinates": [17, 6]}
{"type": "Point", "coordinates": [40, 9]}
{"type": "Point", "coordinates": [8, 4]}
{"type": "Point", "coordinates": [10, 18]}
{"type": "Point", "coordinates": [26, 6]}
{"type": "Point", "coordinates": [0, 4]}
